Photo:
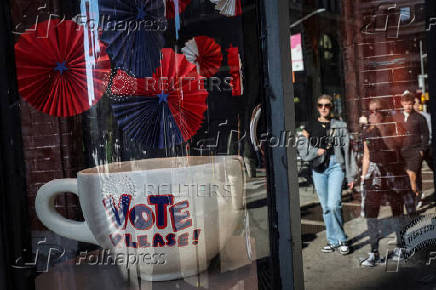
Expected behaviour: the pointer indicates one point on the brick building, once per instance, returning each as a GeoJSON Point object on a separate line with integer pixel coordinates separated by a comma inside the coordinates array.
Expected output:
{"type": "Point", "coordinates": [51, 151]}
{"type": "Point", "coordinates": [321, 26]}
{"type": "Point", "coordinates": [382, 58]}
{"type": "Point", "coordinates": [358, 50]}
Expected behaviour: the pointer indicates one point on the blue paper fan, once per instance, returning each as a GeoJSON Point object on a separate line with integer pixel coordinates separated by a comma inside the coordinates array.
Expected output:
{"type": "Point", "coordinates": [132, 30]}
{"type": "Point", "coordinates": [148, 120]}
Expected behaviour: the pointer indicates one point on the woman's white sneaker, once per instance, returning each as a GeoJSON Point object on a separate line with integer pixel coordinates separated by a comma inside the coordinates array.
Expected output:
{"type": "Point", "coordinates": [344, 249]}
{"type": "Point", "coordinates": [328, 248]}
{"type": "Point", "coordinates": [371, 261]}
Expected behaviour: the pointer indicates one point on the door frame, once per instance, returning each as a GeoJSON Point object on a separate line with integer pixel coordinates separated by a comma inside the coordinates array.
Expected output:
{"type": "Point", "coordinates": [15, 233]}
{"type": "Point", "coordinates": [283, 193]}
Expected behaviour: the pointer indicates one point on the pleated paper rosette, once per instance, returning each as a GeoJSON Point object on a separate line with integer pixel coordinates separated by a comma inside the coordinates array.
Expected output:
{"type": "Point", "coordinates": [133, 32]}
{"type": "Point", "coordinates": [205, 53]}
{"type": "Point", "coordinates": [163, 110]}
{"type": "Point", "coordinates": [170, 7]}
{"type": "Point", "coordinates": [228, 7]}
{"type": "Point", "coordinates": [235, 65]}
{"type": "Point", "coordinates": [52, 72]}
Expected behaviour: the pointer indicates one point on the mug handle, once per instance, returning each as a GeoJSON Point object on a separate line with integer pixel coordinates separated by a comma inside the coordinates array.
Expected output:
{"type": "Point", "coordinates": [44, 205]}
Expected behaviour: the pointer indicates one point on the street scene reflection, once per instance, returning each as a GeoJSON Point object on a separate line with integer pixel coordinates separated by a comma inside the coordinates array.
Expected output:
{"type": "Point", "coordinates": [360, 73]}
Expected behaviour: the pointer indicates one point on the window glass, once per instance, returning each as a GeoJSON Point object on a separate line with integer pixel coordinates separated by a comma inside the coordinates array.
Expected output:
{"type": "Point", "coordinates": [141, 170]}
{"type": "Point", "coordinates": [366, 174]}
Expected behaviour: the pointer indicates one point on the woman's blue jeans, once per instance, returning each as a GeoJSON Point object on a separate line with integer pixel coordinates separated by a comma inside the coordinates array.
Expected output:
{"type": "Point", "coordinates": [328, 185]}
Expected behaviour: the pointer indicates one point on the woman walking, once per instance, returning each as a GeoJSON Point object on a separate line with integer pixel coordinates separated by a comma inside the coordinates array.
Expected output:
{"type": "Point", "coordinates": [382, 178]}
{"type": "Point", "coordinates": [326, 144]}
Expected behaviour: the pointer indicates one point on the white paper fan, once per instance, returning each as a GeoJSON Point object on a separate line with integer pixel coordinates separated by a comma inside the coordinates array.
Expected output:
{"type": "Point", "coordinates": [191, 52]}
{"type": "Point", "coordinates": [228, 7]}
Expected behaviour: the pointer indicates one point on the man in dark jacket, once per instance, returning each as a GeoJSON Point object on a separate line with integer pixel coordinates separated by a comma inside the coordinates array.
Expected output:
{"type": "Point", "coordinates": [413, 127]}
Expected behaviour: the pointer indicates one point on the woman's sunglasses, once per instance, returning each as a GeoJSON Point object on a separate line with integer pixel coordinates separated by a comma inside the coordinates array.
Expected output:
{"type": "Point", "coordinates": [328, 106]}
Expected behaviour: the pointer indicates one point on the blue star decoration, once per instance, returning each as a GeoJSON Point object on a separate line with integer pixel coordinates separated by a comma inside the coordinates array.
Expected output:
{"type": "Point", "coordinates": [162, 97]}
{"type": "Point", "coordinates": [60, 67]}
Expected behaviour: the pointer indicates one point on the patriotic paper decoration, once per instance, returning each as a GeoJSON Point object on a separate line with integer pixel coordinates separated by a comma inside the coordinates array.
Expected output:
{"type": "Point", "coordinates": [162, 110]}
{"type": "Point", "coordinates": [52, 70]}
{"type": "Point", "coordinates": [234, 62]}
{"type": "Point", "coordinates": [170, 7]}
{"type": "Point", "coordinates": [173, 8]}
{"type": "Point", "coordinates": [133, 32]}
{"type": "Point", "coordinates": [205, 53]}
{"type": "Point", "coordinates": [228, 7]}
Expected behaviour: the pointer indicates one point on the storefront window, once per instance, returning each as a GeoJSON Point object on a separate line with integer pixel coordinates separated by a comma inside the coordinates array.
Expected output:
{"type": "Point", "coordinates": [139, 166]}
{"type": "Point", "coordinates": [217, 144]}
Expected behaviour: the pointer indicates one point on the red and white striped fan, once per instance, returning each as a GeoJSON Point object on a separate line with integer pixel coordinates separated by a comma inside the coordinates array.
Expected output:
{"type": "Point", "coordinates": [205, 53]}
{"type": "Point", "coordinates": [228, 7]}
{"type": "Point", "coordinates": [170, 10]}
{"type": "Point", "coordinates": [235, 64]}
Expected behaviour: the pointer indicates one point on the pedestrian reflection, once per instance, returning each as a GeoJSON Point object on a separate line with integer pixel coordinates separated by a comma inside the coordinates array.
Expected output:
{"type": "Point", "coordinates": [415, 139]}
{"type": "Point", "coordinates": [418, 106]}
{"type": "Point", "coordinates": [383, 177]}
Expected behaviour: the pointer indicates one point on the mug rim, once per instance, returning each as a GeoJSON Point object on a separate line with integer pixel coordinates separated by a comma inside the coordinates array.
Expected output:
{"type": "Point", "coordinates": [157, 164]}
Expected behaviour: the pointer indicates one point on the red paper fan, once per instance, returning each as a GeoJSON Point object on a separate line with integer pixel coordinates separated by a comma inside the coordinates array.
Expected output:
{"type": "Point", "coordinates": [170, 7]}
{"type": "Point", "coordinates": [238, 10]}
{"type": "Point", "coordinates": [204, 52]}
{"type": "Point", "coordinates": [51, 69]}
{"type": "Point", "coordinates": [234, 62]}
{"type": "Point", "coordinates": [176, 83]}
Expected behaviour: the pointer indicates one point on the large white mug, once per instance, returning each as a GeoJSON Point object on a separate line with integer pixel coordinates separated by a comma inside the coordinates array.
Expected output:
{"type": "Point", "coordinates": [180, 209]}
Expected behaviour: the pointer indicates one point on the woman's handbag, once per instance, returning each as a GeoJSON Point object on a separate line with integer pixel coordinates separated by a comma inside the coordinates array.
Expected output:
{"type": "Point", "coordinates": [321, 163]}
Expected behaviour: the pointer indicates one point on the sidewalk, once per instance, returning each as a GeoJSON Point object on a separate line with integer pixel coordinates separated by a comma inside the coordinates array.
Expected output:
{"type": "Point", "coordinates": [256, 190]}
{"type": "Point", "coordinates": [334, 271]}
